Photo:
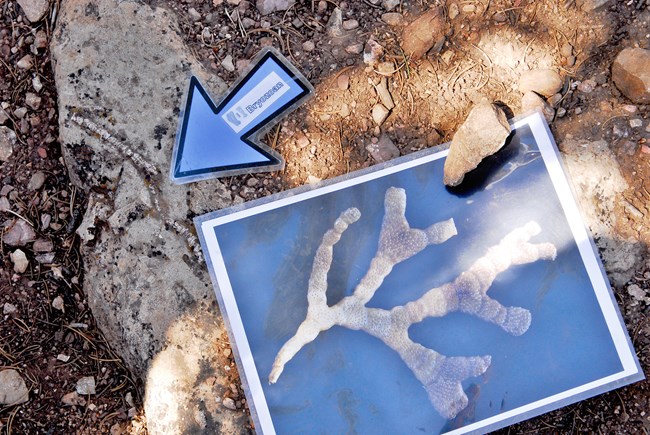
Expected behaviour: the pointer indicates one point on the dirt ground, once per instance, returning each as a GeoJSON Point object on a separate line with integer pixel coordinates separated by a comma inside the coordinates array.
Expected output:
{"type": "Point", "coordinates": [487, 44]}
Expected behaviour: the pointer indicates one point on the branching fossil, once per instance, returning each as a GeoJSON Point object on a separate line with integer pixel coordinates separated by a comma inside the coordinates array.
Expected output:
{"type": "Point", "coordinates": [440, 375]}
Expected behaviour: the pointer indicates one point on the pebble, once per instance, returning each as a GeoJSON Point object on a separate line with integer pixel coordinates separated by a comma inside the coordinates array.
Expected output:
{"type": "Point", "coordinates": [532, 102]}
{"type": "Point", "coordinates": [566, 50]}
{"type": "Point", "coordinates": [19, 233]}
{"type": "Point", "coordinates": [561, 111]}
{"type": "Point", "coordinates": [43, 245]}
{"type": "Point", "coordinates": [20, 261]}
{"type": "Point", "coordinates": [40, 40]}
{"type": "Point", "coordinates": [7, 142]}
{"type": "Point", "coordinates": [45, 258]}
{"type": "Point", "coordinates": [383, 149]}
{"type": "Point", "coordinates": [419, 36]}
{"type": "Point", "coordinates": [36, 181]}
{"type": "Point", "coordinates": [194, 15]}
{"type": "Point", "coordinates": [570, 61]}
{"type": "Point", "coordinates": [587, 86]}
{"type": "Point", "coordinates": [636, 123]}
{"type": "Point", "coordinates": [343, 81]}
{"type": "Point", "coordinates": [393, 18]}
{"type": "Point", "coordinates": [356, 48]}
{"type": "Point", "coordinates": [4, 117]}
{"type": "Point", "coordinates": [350, 24]}
{"type": "Point", "coordinates": [630, 108]}
{"type": "Point", "coordinates": [85, 385]}
{"type": "Point", "coordinates": [34, 10]}
{"type": "Point", "coordinates": [57, 304]}
{"type": "Point", "coordinates": [20, 112]}
{"type": "Point", "coordinates": [469, 9]}
{"type": "Point", "coordinates": [13, 390]}
{"type": "Point", "coordinates": [311, 179]}
{"type": "Point", "coordinates": [344, 111]}
{"type": "Point", "coordinates": [308, 46]}
{"type": "Point", "coordinates": [372, 51]}
{"type": "Point", "coordinates": [335, 24]}
{"type": "Point", "coordinates": [9, 308]}
{"type": "Point", "coordinates": [62, 357]}
{"type": "Point", "coordinates": [269, 6]}
{"type": "Point", "coordinates": [37, 85]}
{"type": "Point", "coordinates": [229, 403]}
{"type": "Point", "coordinates": [302, 140]}
{"type": "Point", "coordinates": [73, 399]}
{"type": "Point", "coordinates": [389, 5]}
{"type": "Point", "coordinates": [645, 149]}
{"type": "Point", "coordinates": [4, 204]}
{"type": "Point", "coordinates": [631, 74]}
{"type": "Point", "coordinates": [554, 100]}
{"type": "Point", "coordinates": [454, 11]}
{"type": "Point", "coordinates": [545, 82]}
{"type": "Point", "coordinates": [227, 64]}
{"type": "Point", "coordinates": [25, 62]}
{"type": "Point", "coordinates": [42, 152]}
{"type": "Point", "coordinates": [379, 113]}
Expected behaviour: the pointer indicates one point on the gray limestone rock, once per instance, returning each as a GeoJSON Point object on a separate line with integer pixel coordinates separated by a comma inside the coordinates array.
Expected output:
{"type": "Point", "coordinates": [269, 6]}
{"type": "Point", "coordinates": [119, 101]}
{"type": "Point", "coordinates": [598, 184]}
{"type": "Point", "coordinates": [34, 9]}
{"type": "Point", "coordinates": [7, 142]}
{"type": "Point", "coordinates": [13, 390]}
{"type": "Point", "coordinates": [482, 134]}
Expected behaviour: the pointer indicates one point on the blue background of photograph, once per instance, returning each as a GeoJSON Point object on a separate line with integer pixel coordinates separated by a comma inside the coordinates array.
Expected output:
{"type": "Point", "coordinates": [349, 382]}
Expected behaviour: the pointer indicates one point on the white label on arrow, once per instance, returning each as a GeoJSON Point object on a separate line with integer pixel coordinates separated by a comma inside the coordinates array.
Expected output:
{"type": "Point", "coordinates": [255, 102]}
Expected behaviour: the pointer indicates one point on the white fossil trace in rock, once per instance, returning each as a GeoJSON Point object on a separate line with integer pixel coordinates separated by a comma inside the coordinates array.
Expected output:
{"type": "Point", "coordinates": [440, 375]}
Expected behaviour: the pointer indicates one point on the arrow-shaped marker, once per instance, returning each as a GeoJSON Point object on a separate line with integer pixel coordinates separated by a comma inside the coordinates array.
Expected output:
{"type": "Point", "coordinates": [221, 140]}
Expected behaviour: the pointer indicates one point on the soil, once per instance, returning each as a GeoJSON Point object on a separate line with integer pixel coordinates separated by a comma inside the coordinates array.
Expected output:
{"type": "Point", "coordinates": [487, 45]}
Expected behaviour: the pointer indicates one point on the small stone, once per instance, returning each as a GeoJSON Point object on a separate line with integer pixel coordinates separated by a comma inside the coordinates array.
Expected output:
{"type": "Point", "coordinates": [631, 74]}
{"type": "Point", "coordinates": [591, 5]}
{"type": "Point", "coordinates": [73, 399]}
{"type": "Point", "coordinates": [383, 150]}
{"type": "Point", "coordinates": [343, 82]}
{"type": "Point", "coordinates": [86, 385]}
{"type": "Point", "coordinates": [379, 113]}
{"type": "Point", "coordinates": [335, 24]}
{"type": "Point", "coordinates": [40, 40]}
{"type": "Point", "coordinates": [469, 9]}
{"type": "Point", "coordinates": [561, 111]}
{"type": "Point", "coordinates": [269, 6]}
{"type": "Point", "coordinates": [9, 308]}
{"type": "Point", "coordinates": [645, 149]}
{"type": "Point", "coordinates": [344, 111]}
{"type": "Point", "coordinates": [7, 142]}
{"type": "Point", "coordinates": [313, 180]}
{"type": "Point", "coordinates": [42, 152]}
{"type": "Point", "coordinates": [308, 46]}
{"type": "Point", "coordinates": [194, 15]}
{"type": "Point", "coordinates": [20, 112]}
{"type": "Point", "coordinates": [500, 17]}
{"type": "Point", "coordinates": [34, 10]}
{"type": "Point", "coordinates": [25, 62]}
{"type": "Point", "coordinates": [302, 140]}
{"type": "Point", "coordinates": [393, 18]}
{"type": "Point", "coordinates": [350, 24]}
{"type": "Point", "coordinates": [43, 245]}
{"type": "Point", "coordinates": [322, 6]}
{"type": "Point", "coordinates": [636, 123]}
{"type": "Point", "coordinates": [19, 233]}
{"type": "Point", "coordinates": [554, 100]}
{"type": "Point", "coordinates": [20, 261]}
{"type": "Point", "coordinates": [37, 85]}
{"type": "Point", "coordinates": [532, 102]}
{"type": "Point", "coordinates": [4, 117]}
{"type": "Point", "coordinates": [566, 50]}
{"type": "Point", "coordinates": [587, 86]}
{"type": "Point", "coordinates": [454, 11]}
{"type": "Point", "coordinates": [229, 403]}
{"type": "Point", "coordinates": [482, 134]}
{"type": "Point", "coordinates": [570, 61]}
{"type": "Point", "coordinates": [4, 204]}
{"type": "Point", "coordinates": [356, 48]}
{"type": "Point", "coordinates": [36, 181]}
{"type": "Point", "coordinates": [228, 64]}
{"type": "Point", "coordinates": [419, 36]}
{"type": "Point", "coordinates": [47, 258]}
{"type": "Point", "coordinates": [389, 5]}
{"type": "Point", "coordinates": [545, 82]}
{"type": "Point", "coordinates": [630, 108]}
{"type": "Point", "coordinates": [372, 52]}
{"type": "Point", "coordinates": [57, 303]}
{"type": "Point", "coordinates": [13, 390]}
{"type": "Point", "coordinates": [62, 357]}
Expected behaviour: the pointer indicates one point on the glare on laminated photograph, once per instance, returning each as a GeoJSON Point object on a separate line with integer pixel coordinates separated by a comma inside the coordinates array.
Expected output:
{"type": "Point", "coordinates": [385, 302]}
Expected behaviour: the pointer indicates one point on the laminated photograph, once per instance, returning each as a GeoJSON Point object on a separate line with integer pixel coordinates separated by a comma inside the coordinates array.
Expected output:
{"type": "Point", "coordinates": [385, 302]}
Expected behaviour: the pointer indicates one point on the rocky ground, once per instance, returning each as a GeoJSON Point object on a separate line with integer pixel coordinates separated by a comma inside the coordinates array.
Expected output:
{"type": "Point", "coordinates": [381, 91]}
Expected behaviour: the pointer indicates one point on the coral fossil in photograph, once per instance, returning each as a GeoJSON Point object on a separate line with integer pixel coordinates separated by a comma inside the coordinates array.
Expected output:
{"type": "Point", "coordinates": [440, 375]}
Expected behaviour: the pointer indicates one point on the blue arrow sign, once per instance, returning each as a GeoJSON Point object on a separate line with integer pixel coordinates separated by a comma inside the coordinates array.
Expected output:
{"type": "Point", "coordinates": [221, 140]}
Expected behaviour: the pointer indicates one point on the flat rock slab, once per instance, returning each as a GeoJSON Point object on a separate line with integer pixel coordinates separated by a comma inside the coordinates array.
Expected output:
{"type": "Point", "coordinates": [121, 71]}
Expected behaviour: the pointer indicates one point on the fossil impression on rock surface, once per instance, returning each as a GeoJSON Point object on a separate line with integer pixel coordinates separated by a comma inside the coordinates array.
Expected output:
{"type": "Point", "coordinates": [440, 375]}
